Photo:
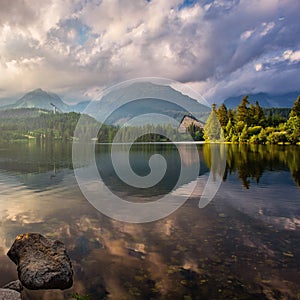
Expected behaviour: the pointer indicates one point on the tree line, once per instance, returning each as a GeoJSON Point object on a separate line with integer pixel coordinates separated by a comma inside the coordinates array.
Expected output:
{"type": "Point", "coordinates": [250, 123]}
{"type": "Point", "coordinates": [247, 123]}
{"type": "Point", "coordinates": [31, 123]}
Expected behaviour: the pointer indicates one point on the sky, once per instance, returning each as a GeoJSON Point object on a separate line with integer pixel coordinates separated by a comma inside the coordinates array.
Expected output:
{"type": "Point", "coordinates": [220, 48]}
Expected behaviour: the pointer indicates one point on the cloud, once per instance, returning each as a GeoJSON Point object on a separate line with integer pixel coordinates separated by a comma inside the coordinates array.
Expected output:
{"type": "Point", "coordinates": [258, 67]}
{"type": "Point", "coordinates": [72, 47]}
{"type": "Point", "coordinates": [292, 56]}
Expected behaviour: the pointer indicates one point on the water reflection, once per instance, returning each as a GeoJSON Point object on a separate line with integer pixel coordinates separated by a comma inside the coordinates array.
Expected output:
{"type": "Point", "coordinates": [243, 245]}
{"type": "Point", "coordinates": [251, 161]}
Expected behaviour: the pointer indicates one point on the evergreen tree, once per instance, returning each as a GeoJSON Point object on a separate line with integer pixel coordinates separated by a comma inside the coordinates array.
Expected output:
{"type": "Point", "coordinates": [244, 135]}
{"type": "Point", "coordinates": [212, 129]}
{"type": "Point", "coordinates": [231, 115]}
{"type": "Point", "coordinates": [242, 114]}
{"type": "Point", "coordinates": [259, 116]}
{"type": "Point", "coordinates": [256, 114]}
{"type": "Point", "coordinates": [295, 112]}
{"type": "Point", "coordinates": [229, 131]}
{"type": "Point", "coordinates": [223, 115]}
{"type": "Point", "coordinates": [293, 123]}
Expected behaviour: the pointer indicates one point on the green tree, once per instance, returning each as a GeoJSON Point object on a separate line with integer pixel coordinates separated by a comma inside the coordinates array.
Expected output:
{"type": "Point", "coordinates": [212, 130]}
{"type": "Point", "coordinates": [258, 115]}
{"type": "Point", "coordinates": [231, 115]}
{"type": "Point", "coordinates": [244, 135]}
{"type": "Point", "coordinates": [223, 115]}
{"type": "Point", "coordinates": [293, 129]}
{"type": "Point", "coordinates": [229, 131]}
{"type": "Point", "coordinates": [242, 114]}
{"type": "Point", "coordinates": [295, 112]}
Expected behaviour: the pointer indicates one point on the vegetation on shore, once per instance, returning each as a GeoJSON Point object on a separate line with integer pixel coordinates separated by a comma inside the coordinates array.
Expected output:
{"type": "Point", "coordinates": [252, 124]}
{"type": "Point", "coordinates": [42, 125]}
{"type": "Point", "coordinates": [29, 123]}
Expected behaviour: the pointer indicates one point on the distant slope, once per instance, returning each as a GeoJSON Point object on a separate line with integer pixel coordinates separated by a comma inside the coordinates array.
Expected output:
{"type": "Point", "coordinates": [79, 107]}
{"type": "Point", "coordinates": [145, 98]}
{"type": "Point", "coordinates": [22, 113]}
{"type": "Point", "coordinates": [39, 99]}
{"type": "Point", "coordinates": [265, 100]}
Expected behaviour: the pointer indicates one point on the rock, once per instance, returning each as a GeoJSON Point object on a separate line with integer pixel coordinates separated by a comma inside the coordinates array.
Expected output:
{"type": "Point", "coordinates": [135, 253]}
{"type": "Point", "coordinates": [6, 294]}
{"type": "Point", "coordinates": [14, 285]}
{"type": "Point", "coordinates": [42, 263]}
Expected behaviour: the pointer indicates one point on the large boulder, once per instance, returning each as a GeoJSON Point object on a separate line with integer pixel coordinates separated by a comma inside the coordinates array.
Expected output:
{"type": "Point", "coordinates": [6, 294]}
{"type": "Point", "coordinates": [42, 263]}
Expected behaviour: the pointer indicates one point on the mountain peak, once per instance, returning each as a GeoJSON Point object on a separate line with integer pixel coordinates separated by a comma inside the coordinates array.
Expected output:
{"type": "Point", "coordinates": [38, 90]}
{"type": "Point", "coordinates": [39, 98]}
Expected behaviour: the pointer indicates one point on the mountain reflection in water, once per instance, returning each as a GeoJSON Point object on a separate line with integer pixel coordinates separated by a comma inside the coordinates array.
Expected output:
{"type": "Point", "coordinates": [244, 245]}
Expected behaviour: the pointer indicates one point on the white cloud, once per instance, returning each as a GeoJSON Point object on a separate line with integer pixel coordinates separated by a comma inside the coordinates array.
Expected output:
{"type": "Point", "coordinates": [292, 56]}
{"type": "Point", "coordinates": [258, 67]}
{"type": "Point", "coordinates": [246, 35]}
{"type": "Point", "coordinates": [77, 45]}
{"type": "Point", "coordinates": [266, 28]}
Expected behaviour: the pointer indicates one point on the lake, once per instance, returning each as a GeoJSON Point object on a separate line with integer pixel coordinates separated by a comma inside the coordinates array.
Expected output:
{"type": "Point", "coordinates": [245, 244]}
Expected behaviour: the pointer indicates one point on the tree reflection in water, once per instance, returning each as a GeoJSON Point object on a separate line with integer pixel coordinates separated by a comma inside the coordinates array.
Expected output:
{"type": "Point", "coordinates": [251, 161]}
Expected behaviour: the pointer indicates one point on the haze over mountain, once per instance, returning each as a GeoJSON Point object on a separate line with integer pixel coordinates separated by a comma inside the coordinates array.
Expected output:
{"type": "Point", "coordinates": [151, 99]}
{"type": "Point", "coordinates": [39, 99]}
{"type": "Point", "coordinates": [141, 98]}
{"type": "Point", "coordinates": [114, 109]}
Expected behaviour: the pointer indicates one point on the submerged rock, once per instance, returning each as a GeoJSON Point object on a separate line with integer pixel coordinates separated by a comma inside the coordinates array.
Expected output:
{"type": "Point", "coordinates": [14, 285]}
{"type": "Point", "coordinates": [6, 294]}
{"type": "Point", "coordinates": [42, 263]}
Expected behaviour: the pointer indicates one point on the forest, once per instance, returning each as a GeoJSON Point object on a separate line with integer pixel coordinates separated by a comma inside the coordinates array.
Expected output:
{"type": "Point", "coordinates": [32, 123]}
{"type": "Point", "coordinates": [253, 124]}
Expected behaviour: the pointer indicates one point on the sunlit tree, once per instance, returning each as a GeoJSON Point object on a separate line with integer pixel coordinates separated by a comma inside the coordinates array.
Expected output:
{"type": "Point", "coordinates": [212, 130]}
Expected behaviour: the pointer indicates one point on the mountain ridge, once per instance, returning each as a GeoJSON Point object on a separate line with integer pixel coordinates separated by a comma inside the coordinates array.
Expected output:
{"type": "Point", "coordinates": [266, 100]}
{"type": "Point", "coordinates": [152, 98]}
{"type": "Point", "coordinates": [39, 98]}
{"type": "Point", "coordinates": [142, 98]}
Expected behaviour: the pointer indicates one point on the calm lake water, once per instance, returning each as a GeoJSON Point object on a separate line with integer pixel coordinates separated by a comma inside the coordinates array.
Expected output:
{"type": "Point", "coordinates": [244, 245]}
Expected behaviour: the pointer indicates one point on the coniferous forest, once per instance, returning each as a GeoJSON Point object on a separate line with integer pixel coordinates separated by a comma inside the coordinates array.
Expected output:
{"type": "Point", "coordinates": [250, 123]}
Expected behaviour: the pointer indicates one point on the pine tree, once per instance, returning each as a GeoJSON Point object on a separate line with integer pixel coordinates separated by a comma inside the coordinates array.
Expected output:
{"type": "Point", "coordinates": [242, 114]}
{"type": "Point", "coordinates": [293, 123]}
{"type": "Point", "coordinates": [212, 130]}
{"type": "Point", "coordinates": [222, 115]}
{"type": "Point", "coordinates": [259, 116]}
{"type": "Point", "coordinates": [295, 112]}
{"type": "Point", "coordinates": [231, 115]}
{"type": "Point", "coordinates": [256, 114]}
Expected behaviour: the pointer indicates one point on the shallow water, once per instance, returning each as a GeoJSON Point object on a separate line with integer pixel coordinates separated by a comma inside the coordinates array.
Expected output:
{"type": "Point", "coordinates": [245, 244]}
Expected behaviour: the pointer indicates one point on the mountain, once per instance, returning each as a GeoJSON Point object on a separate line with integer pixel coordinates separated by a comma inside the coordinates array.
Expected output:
{"type": "Point", "coordinates": [145, 98]}
{"type": "Point", "coordinates": [79, 107]}
{"type": "Point", "coordinates": [265, 100]}
{"type": "Point", "coordinates": [41, 99]}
